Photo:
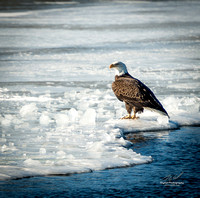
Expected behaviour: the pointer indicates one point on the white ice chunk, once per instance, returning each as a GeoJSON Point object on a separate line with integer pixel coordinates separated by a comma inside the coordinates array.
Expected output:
{"type": "Point", "coordinates": [9, 147]}
{"type": "Point", "coordinates": [30, 162]}
{"type": "Point", "coordinates": [73, 114]}
{"type": "Point", "coordinates": [89, 117]}
{"type": "Point", "coordinates": [61, 154]}
{"type": "Point", "coordinates": [44, 119]}
{"type": "Point", "coordinates": [4, 148]}
{"type": "Point", "coordinates": [62, 120]}
{"type": "Point", "coordinates": [6, 122]}
{"type": "Point", "coordinates": [28, 111]}
{"type": "Point", "coordinates": [42, 151]}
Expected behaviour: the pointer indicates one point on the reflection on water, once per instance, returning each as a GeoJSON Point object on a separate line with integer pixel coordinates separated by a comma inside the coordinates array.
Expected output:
{"type": "Point", "coordinates": [142, 137]}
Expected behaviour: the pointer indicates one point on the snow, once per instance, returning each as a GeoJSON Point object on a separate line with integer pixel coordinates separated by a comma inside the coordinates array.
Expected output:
{"type": "Point", "coordinates": [58, 112]}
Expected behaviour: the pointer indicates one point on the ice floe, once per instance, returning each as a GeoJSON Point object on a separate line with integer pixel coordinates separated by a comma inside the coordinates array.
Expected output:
{"type": "Point", "coordinates": [58, 113]}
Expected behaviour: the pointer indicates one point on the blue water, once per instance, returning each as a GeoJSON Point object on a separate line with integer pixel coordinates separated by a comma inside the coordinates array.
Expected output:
{"type": "Point", "coordinates": [175, 153]}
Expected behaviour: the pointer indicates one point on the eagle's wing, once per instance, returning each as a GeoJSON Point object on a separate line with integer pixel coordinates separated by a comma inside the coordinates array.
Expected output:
{"type": "Point", "coordinates": [133, 91]}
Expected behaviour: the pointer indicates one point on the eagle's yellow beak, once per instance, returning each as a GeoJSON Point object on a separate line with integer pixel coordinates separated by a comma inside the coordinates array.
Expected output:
{"type": "Point", "coordinates": [111, 66]}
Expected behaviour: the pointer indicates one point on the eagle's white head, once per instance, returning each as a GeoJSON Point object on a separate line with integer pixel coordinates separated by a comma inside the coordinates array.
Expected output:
{"type": "Point", "coordinates": [120, 68]}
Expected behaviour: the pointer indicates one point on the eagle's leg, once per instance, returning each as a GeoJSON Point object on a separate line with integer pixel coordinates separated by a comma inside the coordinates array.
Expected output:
{"type": "Point", "coordinates": [134, 116]}
{"type": "Point", "coordinates": [136, 110]}
{"type": "Point", "coordinates": [129, 110]}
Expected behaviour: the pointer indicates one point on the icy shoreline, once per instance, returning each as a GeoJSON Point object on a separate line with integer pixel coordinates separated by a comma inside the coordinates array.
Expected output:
{"type": "Point", "coordinates": [47, 137]}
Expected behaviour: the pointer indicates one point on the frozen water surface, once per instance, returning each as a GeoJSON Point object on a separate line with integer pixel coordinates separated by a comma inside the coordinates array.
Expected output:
{"type": "Point", "coordinates": [58, 112]}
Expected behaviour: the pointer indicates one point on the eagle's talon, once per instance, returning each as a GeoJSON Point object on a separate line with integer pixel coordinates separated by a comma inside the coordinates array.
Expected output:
{"type": "Point", "coordinates": [126, 117]}
{"type": "Point", "coordinates": [134, 117]}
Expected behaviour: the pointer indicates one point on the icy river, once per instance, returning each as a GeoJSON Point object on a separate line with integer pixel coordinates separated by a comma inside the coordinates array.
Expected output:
{"type": "Point", "coordinates": [59, 116]}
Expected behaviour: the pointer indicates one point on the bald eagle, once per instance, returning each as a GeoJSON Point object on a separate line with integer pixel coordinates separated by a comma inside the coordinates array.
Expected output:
{"type": "Point", "coordinates": [133, 92]}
